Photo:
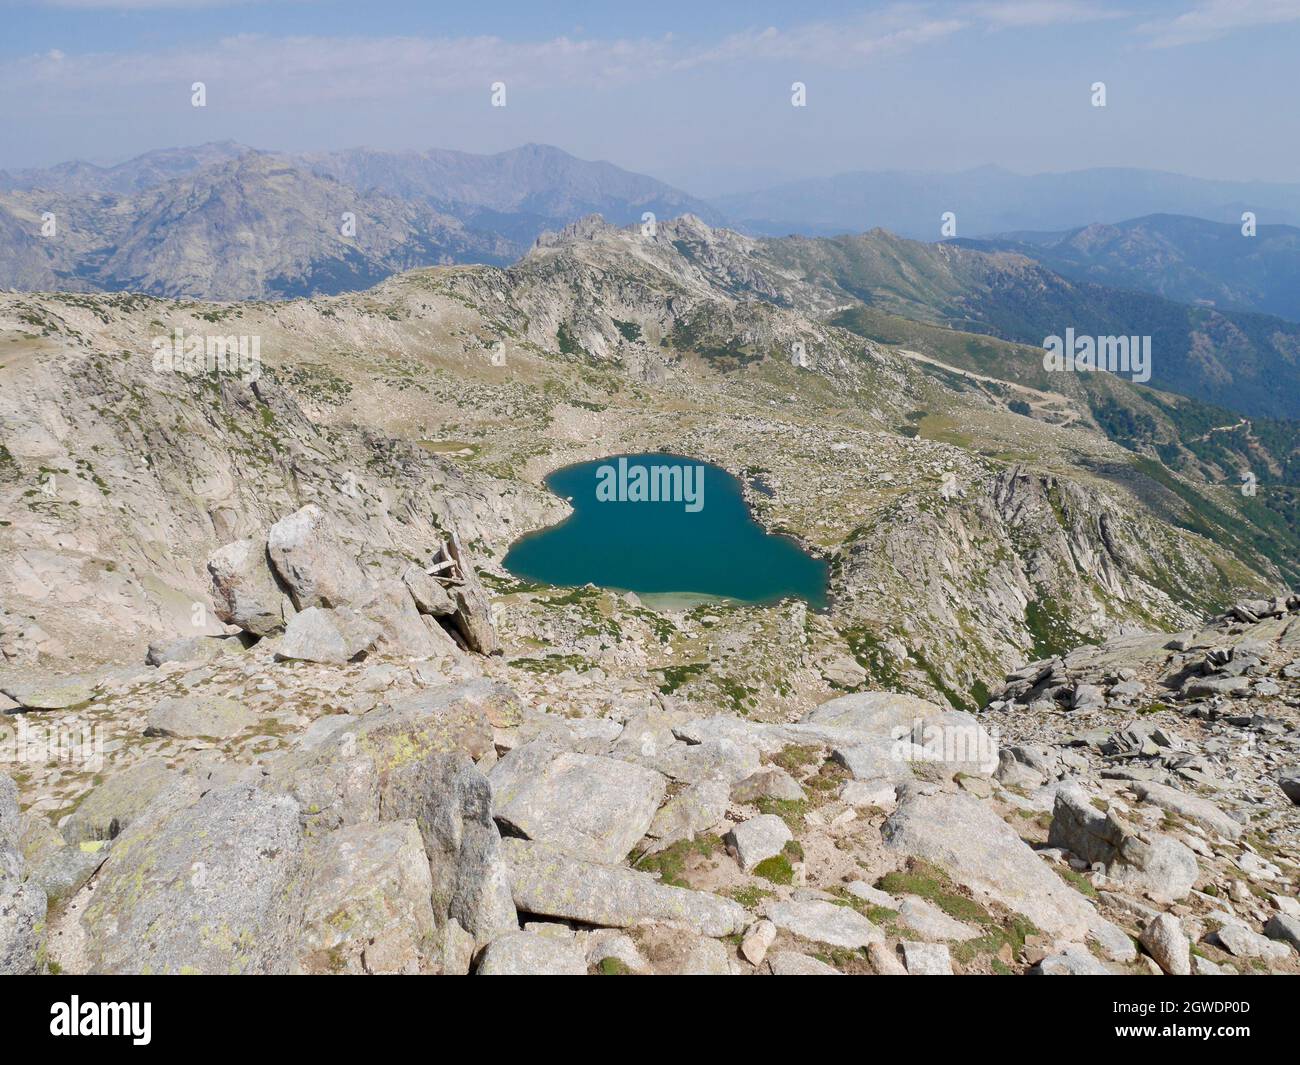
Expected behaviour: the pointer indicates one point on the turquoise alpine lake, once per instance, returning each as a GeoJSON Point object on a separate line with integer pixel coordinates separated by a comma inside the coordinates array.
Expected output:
{"type": "Point", "coordinates": [664, 524]}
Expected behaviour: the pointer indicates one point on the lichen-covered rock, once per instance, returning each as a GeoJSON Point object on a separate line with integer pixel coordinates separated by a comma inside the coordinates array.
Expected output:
{"type": "Point", "coordinates": [455, 948]}
{"type": "Point", "coordinates": [10, 816]}
{"type": "Point", "coordinates": [208, 716]}
{"type": "Point", "coordinates": [532, 954]}
{"type": "Point", "coordinates": [695, 809]}
{"type": "Point", "coordinates": [415, 760]}
{"type": "Point", "coordinates": [22, 917]}
{"type": "Point", "coordinates": [974, 846]}
{"type": "Point", "coordinates": [108, 808]}
{"type": "Point", "coordinates": [22, 902]}
{"type": "Point", "coordinates": [452, 803]}
{"type": "Point", "coordinates": [366, 902]}
{"type": "Point", "coordinates": [587, 806]}
{"type": "Point", "coordinates": [824, 922]}
{"type": "Point", "coordinates": [207, 888]}
{"type": "Point", "coordinates": [547, 882]}
{"type": "Point", "coordinates": [64, 872]}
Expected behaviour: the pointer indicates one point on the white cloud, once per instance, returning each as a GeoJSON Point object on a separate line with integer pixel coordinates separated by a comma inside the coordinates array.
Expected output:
{"type": "Point", "coordinates": [317, 70]}
{"type": "Point", "coordinates": [255, 69]}
{"type": "Point", "coordinates": [1026, 13]}
{"type": "Point", "coordinates": [837, 43]}
{"type": "Point", "coordinates": [1216, 18]}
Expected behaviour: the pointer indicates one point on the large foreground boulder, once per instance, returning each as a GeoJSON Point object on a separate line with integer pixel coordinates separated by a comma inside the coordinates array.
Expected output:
{"type": "Point", "coordinates": [552, 884]}
{"type": "Point", "coordinates": [966, 839]}
{"type": "Point", "coordinates": [244, 590]}
{"type": "Point", "coordinates": [414, 760]}
{"type": "Point", "coordinates": [22, 902]}
{"type": "Point", "coordinates": [587, 806]}
{"type": "Point", "coordinates": [451, 801]}
{"type": "Point", "coordinates": [208, 888]}
{"type": "Point", "coordinates": [367, 906]}
{"type": "Point", "coordinates": [313, 562]}
{"type": "Point", "coordinates": [1146, 862]}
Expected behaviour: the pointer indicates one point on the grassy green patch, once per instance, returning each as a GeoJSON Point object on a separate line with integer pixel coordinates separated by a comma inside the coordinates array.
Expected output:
{"type": "Point", "coordinates": [796, 756]}
{"type": "Point", "coordinates": [672, 863]}
{"type": "Point", "coordinates": [552, 663]}
{"type": "Point", "coordinates": [791, 811]}
{"type": "Point", "coordinates": [676, 676]}
{"type": "Point", "coordinates": [932, 884]}
{"type": "Point", "coordinates": [750, 896]}
{"type": "Point", "coordinates": [1076, 880]}
{"type": "Point", "coordinates": [777, 869]}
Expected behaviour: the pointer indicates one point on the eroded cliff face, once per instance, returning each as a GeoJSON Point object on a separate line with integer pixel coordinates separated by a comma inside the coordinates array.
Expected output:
{"type": "Point", "coordinates": [121, 481]}
{"type": "Point", "coordinates": [1016, 564]}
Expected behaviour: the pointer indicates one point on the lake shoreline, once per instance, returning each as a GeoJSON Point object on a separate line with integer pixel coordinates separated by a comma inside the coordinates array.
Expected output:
{"type": "Point", "coordinates": [751, 564]}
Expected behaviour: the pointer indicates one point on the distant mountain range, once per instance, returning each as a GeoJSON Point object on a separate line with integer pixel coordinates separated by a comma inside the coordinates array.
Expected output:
{"type": "Point", "coordinates": [135, 175]}
{"type": "Point", "coordinates": [1245, 361]}
{"type": "Point", "coordinates": [222, 221]}
{"type": "Point", "coordinates": [990, 200]}
{"type": "Point", "coordinates": [226, 222]}
{"type": "Point", "coordinates": [1181, 258]}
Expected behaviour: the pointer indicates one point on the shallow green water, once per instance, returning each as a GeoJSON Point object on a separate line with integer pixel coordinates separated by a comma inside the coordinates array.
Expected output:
{"type": "Point", "coordinates": [699, 541]}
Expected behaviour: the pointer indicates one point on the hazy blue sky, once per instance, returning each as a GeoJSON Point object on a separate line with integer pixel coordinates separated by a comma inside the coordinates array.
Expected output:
{"type": "Point", "coordinates": [692, 92]}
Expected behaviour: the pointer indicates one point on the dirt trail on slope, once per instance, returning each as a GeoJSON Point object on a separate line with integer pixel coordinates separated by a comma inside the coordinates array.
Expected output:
{"type": "Point", "coordinates": [1048, 402]}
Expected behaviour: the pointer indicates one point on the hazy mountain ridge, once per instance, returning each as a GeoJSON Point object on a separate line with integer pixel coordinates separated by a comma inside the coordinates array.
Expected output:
{"type": "Point", "coordinates": [251, 228]}
{"type": "Point", "coordinates": [1190, 260]}
{"type": "Point", "coordinates": [989, 200]}
{"type": "Point", "coordinates": [541, 185]}
{"type": "Point", "coordinates": [133, 175]}
{"type": "Point", "coordinates": [1247, 362]}
{"type": "Point", "coordinates": [222, 221]}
